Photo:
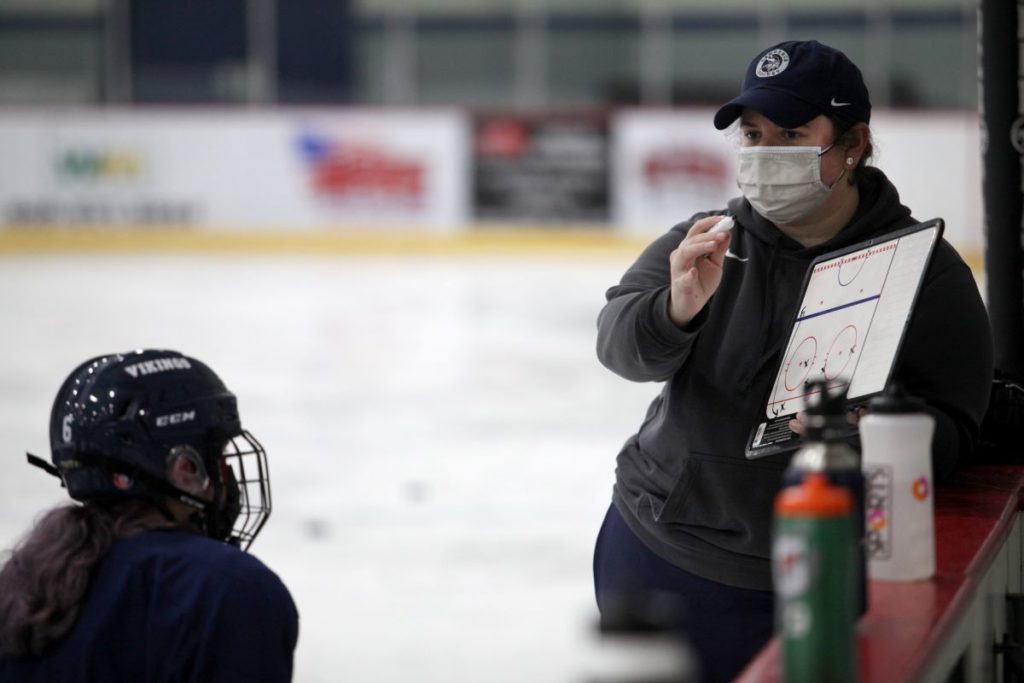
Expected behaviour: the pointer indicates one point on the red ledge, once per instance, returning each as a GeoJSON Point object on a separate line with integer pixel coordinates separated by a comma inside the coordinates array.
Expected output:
{"type": "Point", "coordinates": [908, 622]}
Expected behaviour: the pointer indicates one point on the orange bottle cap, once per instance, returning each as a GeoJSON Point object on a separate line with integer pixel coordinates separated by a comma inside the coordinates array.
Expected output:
{"type": "Point", "coordinates": [815, 497]}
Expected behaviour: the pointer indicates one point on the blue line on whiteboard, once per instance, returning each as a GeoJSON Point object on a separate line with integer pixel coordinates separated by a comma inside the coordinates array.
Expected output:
{"type": "Point", "coordinates": [839, 308]}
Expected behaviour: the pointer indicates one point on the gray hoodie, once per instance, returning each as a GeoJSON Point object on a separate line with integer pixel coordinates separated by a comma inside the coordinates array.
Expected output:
{"type": "Point", "coordinates": [683, 483]}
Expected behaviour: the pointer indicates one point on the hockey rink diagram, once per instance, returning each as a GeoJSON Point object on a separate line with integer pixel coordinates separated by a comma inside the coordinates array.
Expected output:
{"type": "Point", "coordinates": [831, 329]}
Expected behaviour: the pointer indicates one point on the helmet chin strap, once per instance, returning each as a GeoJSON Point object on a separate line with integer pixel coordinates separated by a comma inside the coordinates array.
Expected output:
{"type": "Point", "coordinates": [200, 517]}
{"type": "Point", "coordinates": [36, 461]}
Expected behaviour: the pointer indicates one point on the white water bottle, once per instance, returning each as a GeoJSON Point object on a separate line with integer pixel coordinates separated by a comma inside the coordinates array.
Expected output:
{"type": "Point", "coordinates": [896, 443]}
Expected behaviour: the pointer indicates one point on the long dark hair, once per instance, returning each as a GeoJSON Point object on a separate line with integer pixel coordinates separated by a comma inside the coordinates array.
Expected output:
{"type": "Point", "coordinates": [46, 576]}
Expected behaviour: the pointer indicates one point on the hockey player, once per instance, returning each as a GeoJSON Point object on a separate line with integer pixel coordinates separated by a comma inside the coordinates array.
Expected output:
{"type": "Point", "coordinates": [144, 578]}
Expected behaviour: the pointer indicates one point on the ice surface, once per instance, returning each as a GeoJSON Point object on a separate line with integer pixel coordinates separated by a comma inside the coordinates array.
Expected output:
{"type": "Point", "coordinates": [441, 436]}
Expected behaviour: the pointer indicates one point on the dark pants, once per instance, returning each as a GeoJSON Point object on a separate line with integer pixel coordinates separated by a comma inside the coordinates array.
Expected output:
{"type": "Point", "coordinates": [726, 626]}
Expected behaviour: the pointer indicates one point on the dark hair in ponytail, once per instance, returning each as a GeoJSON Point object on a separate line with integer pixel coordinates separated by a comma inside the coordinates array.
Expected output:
{"type": "Point", "coordinates": [46, 576]}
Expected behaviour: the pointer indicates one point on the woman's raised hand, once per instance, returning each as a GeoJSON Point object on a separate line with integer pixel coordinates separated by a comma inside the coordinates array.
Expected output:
{"type": "Point", "coordinates": [696, 269]}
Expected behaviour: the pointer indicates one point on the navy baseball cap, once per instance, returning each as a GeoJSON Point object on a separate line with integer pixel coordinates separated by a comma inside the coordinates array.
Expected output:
{"type": "Point", "coordinates": [793, 82]}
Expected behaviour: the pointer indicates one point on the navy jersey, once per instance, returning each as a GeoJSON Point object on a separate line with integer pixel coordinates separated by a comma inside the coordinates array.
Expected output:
{"type": "Point", "coordinates": [173, 607]}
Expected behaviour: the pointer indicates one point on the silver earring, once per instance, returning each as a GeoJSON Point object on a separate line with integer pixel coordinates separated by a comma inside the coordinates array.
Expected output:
{"type": "Point", "coordinates": [849, 161]}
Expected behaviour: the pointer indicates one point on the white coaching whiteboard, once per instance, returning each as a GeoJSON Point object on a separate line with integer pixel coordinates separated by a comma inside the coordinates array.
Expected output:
{"type": "Point", "coordinates": [848, 328]}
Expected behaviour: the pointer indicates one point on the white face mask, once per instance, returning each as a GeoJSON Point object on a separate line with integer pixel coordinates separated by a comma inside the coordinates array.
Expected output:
{"type": "Point", "coordinates": [783, 184]}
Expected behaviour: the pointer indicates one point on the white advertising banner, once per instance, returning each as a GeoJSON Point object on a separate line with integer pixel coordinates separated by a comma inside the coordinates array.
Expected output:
{"type": "Point", "coordinates": [273, 170]}
{"type": "Point", "coordinates": [669, 165]}
{"type": "Point", "coordinates": [934, 159]}
{"type": "Point", "coordinates": [666, 166]}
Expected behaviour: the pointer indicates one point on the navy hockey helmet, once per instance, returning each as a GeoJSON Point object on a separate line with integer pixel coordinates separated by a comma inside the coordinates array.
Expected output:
{"type": "Point", "coordinates": [119, 420]}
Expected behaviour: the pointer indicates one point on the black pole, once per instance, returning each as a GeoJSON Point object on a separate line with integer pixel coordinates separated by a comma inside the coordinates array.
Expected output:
{"type": "Point", "coordinates": [1001, 80]}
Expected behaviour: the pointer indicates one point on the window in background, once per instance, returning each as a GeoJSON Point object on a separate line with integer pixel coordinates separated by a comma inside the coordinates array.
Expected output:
{"type": "Point", "coordinates": [594, 60]}
{"type": "Point", "coordinates": [709, 55]}
{"type": "Point", "coordinates": [50, 58]}
{"type": "Point", "coordinates": [189, 51]}
{"type": "Point", "coordinates": [934, 59]}
{"type": "Point", "coordinates": [477, 53]}
{"type": "Point", "coordinates": [314, 51]}
{"type": "Point", "coordinates": [465, 59]}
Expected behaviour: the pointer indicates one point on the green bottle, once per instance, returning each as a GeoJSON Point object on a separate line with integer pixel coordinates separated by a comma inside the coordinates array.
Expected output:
{"type": "Point", "coordinates": [813, 567]}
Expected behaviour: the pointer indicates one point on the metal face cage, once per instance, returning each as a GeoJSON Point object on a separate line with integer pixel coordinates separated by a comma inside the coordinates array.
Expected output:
{"type": "Point", "coordinates": [247, 461]}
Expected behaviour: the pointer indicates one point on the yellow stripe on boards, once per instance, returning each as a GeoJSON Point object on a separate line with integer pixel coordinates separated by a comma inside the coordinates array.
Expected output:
{"type": "Point", "coordinates": [508, 239]}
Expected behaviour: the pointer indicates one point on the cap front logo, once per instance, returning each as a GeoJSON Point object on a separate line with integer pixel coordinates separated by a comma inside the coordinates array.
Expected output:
{"type": "Point", "coordinates": [772, 64]}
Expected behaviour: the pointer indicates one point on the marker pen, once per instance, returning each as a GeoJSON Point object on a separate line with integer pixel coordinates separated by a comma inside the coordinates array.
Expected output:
{"type": "Point", "coordinates": [723, 225]}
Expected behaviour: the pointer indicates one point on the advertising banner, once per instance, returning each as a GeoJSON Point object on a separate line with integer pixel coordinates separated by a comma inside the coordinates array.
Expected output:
{"type": "Point", "coordinates": [541, 169]}
{"type": "Point", "coordinates": [934, 160]}
{"type": "Point", "coordinates": [275, 170]}
{"type": "Point", "coordinates": [668, 165]}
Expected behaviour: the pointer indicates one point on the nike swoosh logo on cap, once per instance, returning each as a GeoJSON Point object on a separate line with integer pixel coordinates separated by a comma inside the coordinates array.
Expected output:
{"type": "Point", "coordinates": [839, 104]}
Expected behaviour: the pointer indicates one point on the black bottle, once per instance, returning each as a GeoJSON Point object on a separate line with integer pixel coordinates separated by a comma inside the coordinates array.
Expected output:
{"type": "Point", "coordinates": [826, 450]}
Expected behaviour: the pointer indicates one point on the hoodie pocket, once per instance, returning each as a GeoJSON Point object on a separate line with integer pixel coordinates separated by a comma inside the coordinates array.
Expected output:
{"type": "Point", "coordinates": [725, 501]}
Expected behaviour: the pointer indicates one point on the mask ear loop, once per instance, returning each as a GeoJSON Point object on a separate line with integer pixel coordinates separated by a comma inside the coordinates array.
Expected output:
{"type": "Point", "coordinates": [849, 162]}
{"type": "Point", "coordinates": [844, 126]}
